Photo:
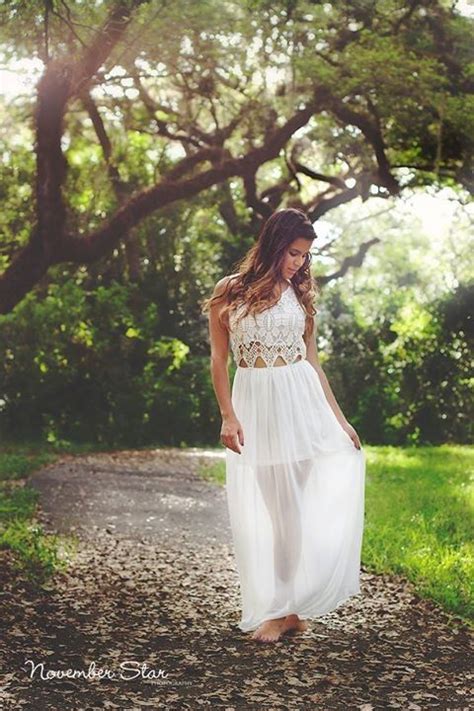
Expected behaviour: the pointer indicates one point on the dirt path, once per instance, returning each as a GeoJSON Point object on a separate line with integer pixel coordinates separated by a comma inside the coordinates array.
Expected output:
{"type": "Point", "coordinates": [154, 582]}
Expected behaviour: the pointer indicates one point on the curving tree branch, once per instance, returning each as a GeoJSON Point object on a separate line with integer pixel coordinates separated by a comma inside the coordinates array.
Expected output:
{"type": "Point", "coordinates": [52, 245]}
{"type": "Point", "coordinates": [353, 261]}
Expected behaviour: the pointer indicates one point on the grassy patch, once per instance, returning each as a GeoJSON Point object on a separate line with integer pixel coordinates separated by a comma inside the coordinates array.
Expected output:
{"type": "Point", "coordinates": [36, 552]}
{"type": "Point", "coordinates": [418, 519]}
{"type": "Point", "coordinates": [215, 472]}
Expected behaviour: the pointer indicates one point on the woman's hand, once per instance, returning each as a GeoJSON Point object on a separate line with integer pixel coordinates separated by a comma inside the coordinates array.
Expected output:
{"type": "Point", "coordinates": [232, 434]}
{"type": "Point", "coordinates": [352, 434]}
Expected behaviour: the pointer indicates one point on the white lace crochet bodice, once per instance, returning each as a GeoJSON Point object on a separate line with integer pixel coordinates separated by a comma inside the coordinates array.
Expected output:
{"type": "Point", "coordinates": [277, 331]}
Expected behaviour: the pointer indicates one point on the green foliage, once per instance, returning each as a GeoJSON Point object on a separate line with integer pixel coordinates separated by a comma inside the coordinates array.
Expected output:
{"type": "Point", "coordinates": [17, 502]}
{"type": "Point", "coordinates": [19, 463]}
{"type": "Point", "coordinates": [419, 520]}
{"type": "Point", "coordinates": [394, 336]}
{"type": "Point", "coordinates": [37, 553]}
{"type": "Point", "coordinates": [404, 380]}
{"type": "Point", "coordinates": [91, 367]}
{"type": "Point", "coordinates": [16, 190]}
{"type": "Point", "coordinates": [97, 360]}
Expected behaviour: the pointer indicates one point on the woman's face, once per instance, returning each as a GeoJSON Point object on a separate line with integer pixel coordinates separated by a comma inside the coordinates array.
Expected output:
{"type": "Point", "coordinates": [295, 256]}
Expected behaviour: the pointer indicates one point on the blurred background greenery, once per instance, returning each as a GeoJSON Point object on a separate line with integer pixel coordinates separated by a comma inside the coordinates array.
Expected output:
{"type": "Point", "coordinates": [114, 350]}
{"type": "Point", "coordinates": [102, 359]}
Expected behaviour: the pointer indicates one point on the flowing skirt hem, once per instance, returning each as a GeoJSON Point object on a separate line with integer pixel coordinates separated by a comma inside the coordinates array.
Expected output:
{"type": "Point", "coordinates": [303, 613]}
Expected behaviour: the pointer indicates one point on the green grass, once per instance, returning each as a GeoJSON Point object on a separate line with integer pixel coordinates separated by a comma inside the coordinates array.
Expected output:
{"type": "Point", "coordinates": [418, 519]}
{"type": "Point", "coordinates": [34, 551]}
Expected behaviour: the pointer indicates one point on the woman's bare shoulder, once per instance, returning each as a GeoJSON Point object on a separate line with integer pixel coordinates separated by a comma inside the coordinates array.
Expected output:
{"type": "Point", "coordinates": [222, 284]}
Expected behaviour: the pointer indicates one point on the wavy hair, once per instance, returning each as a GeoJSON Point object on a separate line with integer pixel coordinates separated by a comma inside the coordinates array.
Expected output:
{"type": "Point", "coordinates": [260, 270]}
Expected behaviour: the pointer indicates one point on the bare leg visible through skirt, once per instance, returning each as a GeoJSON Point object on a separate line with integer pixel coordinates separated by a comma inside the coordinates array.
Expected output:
{"type": "Point", "coordinates": [282, 494]}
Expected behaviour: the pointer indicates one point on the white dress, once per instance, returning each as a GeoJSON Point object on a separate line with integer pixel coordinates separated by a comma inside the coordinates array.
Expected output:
{"type": "Point", "coordinates": [295, 494]}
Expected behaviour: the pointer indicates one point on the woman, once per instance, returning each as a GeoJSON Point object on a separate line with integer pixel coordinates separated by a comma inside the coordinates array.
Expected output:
{"type": "Point", "coordinates": [295, 468]}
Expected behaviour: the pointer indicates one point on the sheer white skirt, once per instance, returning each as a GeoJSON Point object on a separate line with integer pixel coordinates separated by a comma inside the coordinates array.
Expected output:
{"type": "Point", "coordinates": [295, 496]}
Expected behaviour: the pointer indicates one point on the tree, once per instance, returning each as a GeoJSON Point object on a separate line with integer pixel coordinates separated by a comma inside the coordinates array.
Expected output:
{"type": "Point", "coordinates": [363, 98]}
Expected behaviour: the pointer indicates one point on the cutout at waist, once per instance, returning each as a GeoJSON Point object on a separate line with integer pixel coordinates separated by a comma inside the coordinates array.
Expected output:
{"type": "Point", "coordinates": [278, 362]}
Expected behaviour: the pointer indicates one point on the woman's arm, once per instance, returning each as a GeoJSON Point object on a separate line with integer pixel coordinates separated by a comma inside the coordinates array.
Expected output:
{"type": "Point", "coordinates": [313, 357]}
{"type": "Point", "coordinates": [231, 430]}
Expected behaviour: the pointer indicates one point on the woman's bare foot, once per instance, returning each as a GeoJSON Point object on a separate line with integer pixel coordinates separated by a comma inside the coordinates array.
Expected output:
{"type": "Point", "coordinates": [294, 624]}
{"type": "Point", "coordinates": [270, 630]}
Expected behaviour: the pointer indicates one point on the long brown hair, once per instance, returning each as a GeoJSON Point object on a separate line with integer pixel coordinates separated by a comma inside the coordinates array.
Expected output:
{"type": "Point", "coordinates": [260, 270]}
